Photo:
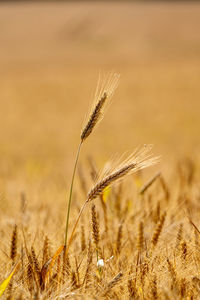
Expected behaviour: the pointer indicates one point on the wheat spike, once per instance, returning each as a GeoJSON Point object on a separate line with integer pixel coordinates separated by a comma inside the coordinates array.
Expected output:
{"type": "Point", "coordinates": [94, 118]}
{"type": "Point", "coordinates": [83, 244]}
{"type": "Point", "coordinates": [104, 93]}
{"type": "Point", "coordinates": [45, 250]}
{"type": "Point", "coordinates": [144, 269]}
{"type": "Point", "coordinates": [95, 227]}
{"type": "Point", "coordinates": [172, 271]}
{"type": "Point", "coordinates": [153, 286]}
{"type": "Point", "coordinates": [158, 230]}
{"type": "Point", "coordinates": [36, 265]}
{"type": "Point", "coordinates": [183, 250]}
{"type": "Point", "coordinates": [138, 160]}
{"type": "Point", "coordinates": [179, 236]}
{"type": "Point", "coordinates": [119, 239]}
{"type": "Point", "coordinates": [140, 241]}
{"type": "Point", "coordinates": [29, 278]}
{"type": "Point", "coordinates": [13, 247]}
{"type": "Point", "coordinates": [183, 287]}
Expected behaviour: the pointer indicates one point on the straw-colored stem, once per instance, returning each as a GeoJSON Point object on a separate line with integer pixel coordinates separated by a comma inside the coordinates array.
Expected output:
{"type": "Point", "coordinates": [70, 195]}
{"type": "Point", "coordinates": [66, 249]}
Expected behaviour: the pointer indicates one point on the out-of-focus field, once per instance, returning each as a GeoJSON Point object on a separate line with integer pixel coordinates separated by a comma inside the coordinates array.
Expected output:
{"type": "Point", "coordinates": [51, 55]}
{"type": "Point", "coordinates": [50, 58]}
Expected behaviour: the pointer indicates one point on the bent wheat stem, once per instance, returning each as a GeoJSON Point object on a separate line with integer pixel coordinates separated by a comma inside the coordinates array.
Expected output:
{"type": "Point", "coordinates": [70, 195]}
{"type": "Point", "coordinates": [66, 248]}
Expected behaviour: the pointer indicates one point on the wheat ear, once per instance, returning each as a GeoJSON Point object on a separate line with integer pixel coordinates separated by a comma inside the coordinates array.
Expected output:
{"type": "Point", "coordinates": [13, 247]}
{"type": "Point", "coordinates": [139, 159]}
{"type": "Point", "coordinates": [104, 92]}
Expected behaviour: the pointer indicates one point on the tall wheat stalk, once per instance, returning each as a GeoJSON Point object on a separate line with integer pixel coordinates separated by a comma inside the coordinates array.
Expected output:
{"type": "Point", "coordinates": [104, 92]}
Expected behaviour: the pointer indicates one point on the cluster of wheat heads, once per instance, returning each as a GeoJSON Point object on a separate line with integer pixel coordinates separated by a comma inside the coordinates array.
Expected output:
{"type": "Point", "coordinates": [135, 246]}
{"type": "Point", "coordinates": [143, 246]}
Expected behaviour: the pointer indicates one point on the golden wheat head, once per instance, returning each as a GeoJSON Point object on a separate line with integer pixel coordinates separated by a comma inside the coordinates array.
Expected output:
{"type": "Point", "coordinates": [104, 92]}
{"type": "Point", "coordinates": [139, 159]}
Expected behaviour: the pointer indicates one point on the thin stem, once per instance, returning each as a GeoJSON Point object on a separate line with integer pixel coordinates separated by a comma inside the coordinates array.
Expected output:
{"type": "Point", "coordinates": [74, 228]}
{"type": "Point", "coordinates": [70, 195]}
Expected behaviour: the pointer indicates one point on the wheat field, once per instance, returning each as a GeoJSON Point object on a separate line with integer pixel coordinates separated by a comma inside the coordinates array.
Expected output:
{"type": "Point", "coordinates": [138, 239]}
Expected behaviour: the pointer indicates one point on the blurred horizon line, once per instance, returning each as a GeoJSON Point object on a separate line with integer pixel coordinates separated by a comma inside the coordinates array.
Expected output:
{"type": "Point", "coordinates": [56, 1]}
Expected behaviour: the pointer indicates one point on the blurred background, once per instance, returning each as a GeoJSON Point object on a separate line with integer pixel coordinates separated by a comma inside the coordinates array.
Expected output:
{"type": "Point", "coordinates": [51, 54]}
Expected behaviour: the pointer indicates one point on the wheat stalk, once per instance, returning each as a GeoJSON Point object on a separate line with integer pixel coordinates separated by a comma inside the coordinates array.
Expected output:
{"type": "Point", "coordinates": [149, 183]}
{"type": "Point", "coordinates": [104, 92]}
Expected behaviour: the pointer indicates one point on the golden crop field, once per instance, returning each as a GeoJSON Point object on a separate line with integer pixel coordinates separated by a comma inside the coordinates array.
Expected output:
{"type": "Point", "coordinates": [138, 239]}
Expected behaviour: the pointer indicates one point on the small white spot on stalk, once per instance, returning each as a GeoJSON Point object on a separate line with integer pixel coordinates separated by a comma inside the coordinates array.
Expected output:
{"type": "Point", "coordinates": [100, 263]}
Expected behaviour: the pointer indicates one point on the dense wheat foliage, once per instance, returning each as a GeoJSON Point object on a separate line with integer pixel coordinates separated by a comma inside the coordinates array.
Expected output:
{"type": "Point", "coordinates": [138, 235]}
